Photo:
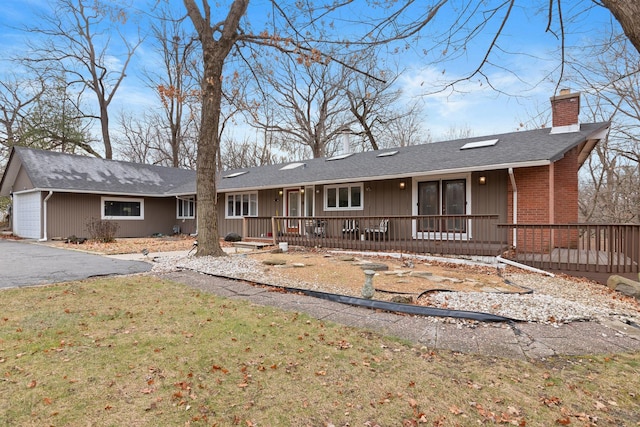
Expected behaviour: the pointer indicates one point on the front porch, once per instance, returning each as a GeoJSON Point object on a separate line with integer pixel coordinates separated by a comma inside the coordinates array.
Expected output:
{"type": "Point", "coordinates": [589, 250]}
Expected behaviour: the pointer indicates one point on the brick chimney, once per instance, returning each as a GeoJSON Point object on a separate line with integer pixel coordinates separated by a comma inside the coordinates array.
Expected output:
{"type": "Point", "coordinates": [565, 109]}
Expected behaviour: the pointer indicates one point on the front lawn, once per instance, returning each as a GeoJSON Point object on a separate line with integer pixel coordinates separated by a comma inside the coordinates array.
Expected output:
{"type": "Point", "coordinates": [141, 351]}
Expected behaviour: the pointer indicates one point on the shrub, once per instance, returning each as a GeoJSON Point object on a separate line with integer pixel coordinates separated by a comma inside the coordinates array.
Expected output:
{"type": "Point", "coordinates": [101, 230]}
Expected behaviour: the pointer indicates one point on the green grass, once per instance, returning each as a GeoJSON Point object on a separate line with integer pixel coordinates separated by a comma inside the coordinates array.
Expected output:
{"type": "Point", "coordinates": [139, 351]}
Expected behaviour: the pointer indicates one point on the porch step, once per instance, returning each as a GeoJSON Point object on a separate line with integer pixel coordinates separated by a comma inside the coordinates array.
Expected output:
{"type": "Point", "coordinates": [251, 245]}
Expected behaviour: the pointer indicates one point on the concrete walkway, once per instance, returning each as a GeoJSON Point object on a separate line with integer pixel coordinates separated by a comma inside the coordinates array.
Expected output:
{"type": "Point", "coordinates": [516, 341]}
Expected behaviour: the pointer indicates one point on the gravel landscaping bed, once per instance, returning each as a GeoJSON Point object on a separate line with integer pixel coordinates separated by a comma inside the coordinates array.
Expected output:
{"type": "Point", "coordinates": [553, 300]}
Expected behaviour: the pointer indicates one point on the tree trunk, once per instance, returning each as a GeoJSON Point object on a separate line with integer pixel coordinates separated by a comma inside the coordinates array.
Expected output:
{"type": "Point", "coordinates": [214, 55]}
{"type": "Point", "coordinates": [104, 124]}
{"type": "Point", "coordinates": [208, 147]}
{"type": "Point", "coordinates": [627, 13]}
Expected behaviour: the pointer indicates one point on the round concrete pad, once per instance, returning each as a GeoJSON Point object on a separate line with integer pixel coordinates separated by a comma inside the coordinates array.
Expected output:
{"type": "Point", "coordinates": [25, 263]}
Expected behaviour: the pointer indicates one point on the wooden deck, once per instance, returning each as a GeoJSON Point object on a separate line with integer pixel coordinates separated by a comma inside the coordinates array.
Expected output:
{"type": "Point", "coordinates": [590, 250]}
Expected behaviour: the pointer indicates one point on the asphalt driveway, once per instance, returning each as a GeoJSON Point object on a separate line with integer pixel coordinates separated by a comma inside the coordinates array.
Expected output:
{"type": "Point", "coordinates": [25, 263]}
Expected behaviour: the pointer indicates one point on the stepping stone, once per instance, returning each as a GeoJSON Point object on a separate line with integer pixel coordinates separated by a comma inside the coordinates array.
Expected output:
{"type": "Point", "coordinates": [274, 262]}
{"type": "Point", "coordinates": [423, 274]}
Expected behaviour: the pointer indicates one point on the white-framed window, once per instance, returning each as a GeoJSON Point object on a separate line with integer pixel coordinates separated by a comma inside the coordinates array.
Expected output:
{"type": "Point", "coordinates": [343, 197]}
{"type": "Point", "coordinates": [122, 208]}
{"type": "Point", "coordinates": [186, 208]}
{"type": "Point", "coordinates": [242, 204]}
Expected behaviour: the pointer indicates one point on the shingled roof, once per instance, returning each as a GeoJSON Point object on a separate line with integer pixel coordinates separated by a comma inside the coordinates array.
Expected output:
{"type": "Point", "coordinates": [64, 172]}
{"type": "Point", "coordinates": [48, 170]}
{"type": "Point", "coordinates": [516, 149]}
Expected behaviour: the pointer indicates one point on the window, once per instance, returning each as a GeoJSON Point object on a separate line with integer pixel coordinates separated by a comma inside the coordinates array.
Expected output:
{"type": "Point", "coordinates": [343, 197]}
{"type": "Point", "coordinates": [186, 208]}
{"type": "Point", "coordinates": [122, 208]}
{"type": "Point", "coordinates": [242, 204]}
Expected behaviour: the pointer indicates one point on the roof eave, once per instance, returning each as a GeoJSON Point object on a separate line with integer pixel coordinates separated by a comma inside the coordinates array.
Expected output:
{"type": "Point", "coordinates": [497, 166]}
{"type": "Point", "coordinates": [102, 193]}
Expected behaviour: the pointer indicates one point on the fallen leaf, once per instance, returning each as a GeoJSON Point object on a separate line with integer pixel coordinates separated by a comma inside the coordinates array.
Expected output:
{"type": "Point", "coordinates": [455, 410]}
{"type": "Point", "coordinates": [32, 384]}
{"type": "Point", "coordinates": [600, 406]}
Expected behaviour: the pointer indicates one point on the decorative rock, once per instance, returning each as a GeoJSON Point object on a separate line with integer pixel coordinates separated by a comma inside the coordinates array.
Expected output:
{"type": "Point", "coordinates": [402, 299]}
{"type": "Point", "coordinates": [397, 272]}
{"type": "Point", "coordinates": [232, 237]}
{"type": "Point", "coordinates": [423, 274]}
{"type": "Point", "coordinates": [367, 289]}
{"type": "Point", "coordinates": [298, 265]}
{"type": "Point", "coordinates": [274, 261]}
{"type": "Point", "coordinates": [346, 258]}
{"type": "Point", "coordinates": [624, 286]}
{"type": "Point", "coordinates": [373, 266]}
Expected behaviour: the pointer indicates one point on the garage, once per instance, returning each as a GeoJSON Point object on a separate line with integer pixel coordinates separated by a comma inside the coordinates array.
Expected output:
{"type": "Point", "coordinates": [26, 215]}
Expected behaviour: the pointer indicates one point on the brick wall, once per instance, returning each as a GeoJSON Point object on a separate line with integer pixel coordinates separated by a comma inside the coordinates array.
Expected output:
{"type": "Point", "coordinates": [533, 205]}
{"type": "Point", "coordinates": [533, 201]}
{"type": "Point", "coordinates": [566, 188]}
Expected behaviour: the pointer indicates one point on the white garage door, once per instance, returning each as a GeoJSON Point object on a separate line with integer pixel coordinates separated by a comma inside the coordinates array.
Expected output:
{"type": "Point", "coordinates": [26, 215]}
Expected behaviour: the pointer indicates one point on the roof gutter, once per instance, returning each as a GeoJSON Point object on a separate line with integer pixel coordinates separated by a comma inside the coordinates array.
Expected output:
{"type": "Point", "coordinates": [46, 199]}
{"type": "Point", "coordinates": [515, 205]}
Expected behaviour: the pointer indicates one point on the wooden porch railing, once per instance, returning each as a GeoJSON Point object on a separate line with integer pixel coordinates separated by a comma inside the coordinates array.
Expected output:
{"type": "Point", "coordinates": [422, 234]}
{"type": "Point", "coordinates": [597, 248]}
{"type": "Point", "coordinates": [570, 248]}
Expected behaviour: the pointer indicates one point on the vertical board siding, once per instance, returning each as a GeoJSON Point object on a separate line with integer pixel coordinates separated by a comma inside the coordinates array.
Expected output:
{"type": "Point", "coordinates": [490, 199]}
{"type": "Point", "coordinates": [68, 214]}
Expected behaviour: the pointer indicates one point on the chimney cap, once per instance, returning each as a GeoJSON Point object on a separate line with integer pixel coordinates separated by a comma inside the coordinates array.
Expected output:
{"type": "Point", "coordinates": [565, 91]}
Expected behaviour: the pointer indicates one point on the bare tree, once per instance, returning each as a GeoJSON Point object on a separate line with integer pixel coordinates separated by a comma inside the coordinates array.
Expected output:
{"type": "Point", "coordinates": [305, 105]}
{"type": "Point", "coordinates": [54, 123]}
{"type": "Point", "coordinates": [611, 83]}
{"type": "Point", "coordinates": [381, 119]}
{"type": "Point", "coordinates": [176, 84]}
{"type": "Point", "coordinates": [43, 115]}
{"type": "Point", "coordinates": [405, 130]}
{"type": "Point", "coordinates": [17, 97]}
{"type": "Point", "coordinates": [247, 154]}
{"type": "Point", "coordinates": [75, 40]}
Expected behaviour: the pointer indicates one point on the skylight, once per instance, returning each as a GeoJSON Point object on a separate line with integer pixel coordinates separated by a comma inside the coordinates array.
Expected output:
{"type": "Point", "coordinates": [235, 174]}
{"type": "Point", "coordinates": [478, 144]}
{"type": "Point", "coordinates": [388, 153]}
{"type": "Point", "coordinates": [291, 166]}
{"type": "Point", "coordinates": [339, 157]}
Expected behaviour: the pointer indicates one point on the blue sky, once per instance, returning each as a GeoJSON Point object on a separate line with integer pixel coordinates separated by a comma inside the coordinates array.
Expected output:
{"type": "Point", "coordinates": [523, 103]}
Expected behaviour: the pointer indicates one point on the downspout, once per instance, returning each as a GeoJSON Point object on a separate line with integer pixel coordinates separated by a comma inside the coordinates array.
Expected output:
{"type": "Point", "coordinates": [515, 205]}
{"type": "Point", "coordinates": [46, 199]}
